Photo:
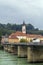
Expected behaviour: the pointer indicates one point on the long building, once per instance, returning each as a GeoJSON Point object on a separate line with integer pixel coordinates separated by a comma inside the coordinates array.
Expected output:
{"type": "Point", "coordinates": [18, 35]}
{"type": "Point", "coordinates": [22, 35]}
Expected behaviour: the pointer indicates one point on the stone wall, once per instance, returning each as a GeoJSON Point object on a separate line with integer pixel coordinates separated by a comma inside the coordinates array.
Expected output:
{"type": "Point", "coordinates": [35, 54]}
{"type": "Point", "coordinates": [22, 51]}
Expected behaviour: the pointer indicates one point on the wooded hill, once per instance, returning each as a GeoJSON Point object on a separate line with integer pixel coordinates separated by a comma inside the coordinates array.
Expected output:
{"type": "Point", "coordinates": [9, 28]}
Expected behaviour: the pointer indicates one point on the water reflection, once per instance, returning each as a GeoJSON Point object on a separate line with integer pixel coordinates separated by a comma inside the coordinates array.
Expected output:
{"type": "Point", "coordinates": [10, 59]}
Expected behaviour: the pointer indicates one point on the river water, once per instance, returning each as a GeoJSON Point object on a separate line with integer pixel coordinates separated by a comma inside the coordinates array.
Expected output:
{"type": "Point", "coordinates": [10, 59]}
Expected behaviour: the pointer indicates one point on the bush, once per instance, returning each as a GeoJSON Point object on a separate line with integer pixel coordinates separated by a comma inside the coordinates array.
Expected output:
{"type": "Point", "coordinates": [23, 40]}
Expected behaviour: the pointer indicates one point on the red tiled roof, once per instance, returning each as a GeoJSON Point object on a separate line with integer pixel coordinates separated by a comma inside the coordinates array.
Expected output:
{"type": "Point", "coordinates": [18, 33]}
{"type": "Point", "coordinates": [34, 36]}
{"type": "Point", "coordinates": [13, 37]}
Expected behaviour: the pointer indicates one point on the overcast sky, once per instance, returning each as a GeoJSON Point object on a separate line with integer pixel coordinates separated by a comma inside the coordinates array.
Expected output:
{"type": "Point", "coordinates": [15, 11]}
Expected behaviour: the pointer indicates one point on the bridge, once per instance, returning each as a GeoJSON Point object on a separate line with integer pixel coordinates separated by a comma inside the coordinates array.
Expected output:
{"type": "Point", "coordinates": [32, 51]}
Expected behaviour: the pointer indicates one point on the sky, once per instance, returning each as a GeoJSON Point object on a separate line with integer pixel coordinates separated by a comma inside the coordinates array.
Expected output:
{"type": "Point", "coordinates": [17, 11]}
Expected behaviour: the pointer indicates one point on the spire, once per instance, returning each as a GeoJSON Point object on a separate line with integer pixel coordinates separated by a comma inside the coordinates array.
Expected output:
{"type": "Point", "coordinates": [23, 22]}
{"type": "Point", "coordinates": [24, 27]}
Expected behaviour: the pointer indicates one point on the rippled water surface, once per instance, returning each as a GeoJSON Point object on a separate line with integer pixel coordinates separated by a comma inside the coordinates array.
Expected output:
{"type": "Point", "coordinates": [10, 59]}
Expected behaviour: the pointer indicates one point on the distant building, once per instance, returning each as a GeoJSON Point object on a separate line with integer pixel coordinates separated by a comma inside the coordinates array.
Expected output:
{"type": "Point", "coordinates": [31, 37]}
{"type": "Point", "coordinates": [36, 40]}
{"type": "Point", "coordinates": [24, 27]}
{"type": "Point", "coordinates": [18, 35]}
{"type": "Point", "coordinates": [13, 39]}
{"type": "Point", "coordinates": [22, 35]}
{"type": "Point", "coordinates": [4, 39]}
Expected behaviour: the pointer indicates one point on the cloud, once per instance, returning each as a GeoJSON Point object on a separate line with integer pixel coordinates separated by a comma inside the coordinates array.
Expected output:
{"type": "Point", "coordinates": [15, 11]}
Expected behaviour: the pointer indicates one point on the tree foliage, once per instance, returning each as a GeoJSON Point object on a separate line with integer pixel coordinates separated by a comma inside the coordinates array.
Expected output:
{"type": "Point", "coordinates": [23, 40]}
{"type": "Point", "coordinates": [9, 28]}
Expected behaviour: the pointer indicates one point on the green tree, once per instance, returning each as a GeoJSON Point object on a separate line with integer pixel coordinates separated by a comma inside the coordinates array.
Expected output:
{"type": "Point", "coordinates": [23, 40]}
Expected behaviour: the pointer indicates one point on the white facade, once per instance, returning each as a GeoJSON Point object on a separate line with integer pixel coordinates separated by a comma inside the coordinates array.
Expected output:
{"type": "Point", "coordinates": [36, 40]}
{"type": "Point", "coordinates": [23, 29]}
{"type": "Point", "coordinates": [21, 37]}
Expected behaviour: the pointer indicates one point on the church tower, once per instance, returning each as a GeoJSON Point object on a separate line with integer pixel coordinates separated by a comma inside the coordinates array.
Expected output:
{"type": "Point", "coordinates": [23, 27]}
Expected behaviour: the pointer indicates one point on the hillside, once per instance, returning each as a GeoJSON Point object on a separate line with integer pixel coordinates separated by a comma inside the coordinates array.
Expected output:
{"type": "Point", "coordinates": [9, 28]}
